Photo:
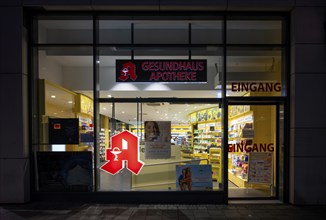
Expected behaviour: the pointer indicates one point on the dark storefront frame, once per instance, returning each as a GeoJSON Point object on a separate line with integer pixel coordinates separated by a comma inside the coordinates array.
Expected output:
{"type": "Point", "coordinates": [157, 197]}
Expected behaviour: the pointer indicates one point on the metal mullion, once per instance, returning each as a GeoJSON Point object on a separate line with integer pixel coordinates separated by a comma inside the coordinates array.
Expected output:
{"type": "Point", "coordinates": [225, 114]}
{"type": "Point", "coordinates": [135, 45]}
{"type": "Point", "coordinates": [189, 41]}
{"type": "Point", "coordinates": [277, 149]}
{"type": "Point", "coordinates": [62, 45]}
{"type": "Point", "coordinates": [256, 45]}
{"type": "Point", "coordinates": [132, 40]}
{"type": "Point", "coordinates": [95, 98]}
{"type": "Point", "coordinates": [163, 99]}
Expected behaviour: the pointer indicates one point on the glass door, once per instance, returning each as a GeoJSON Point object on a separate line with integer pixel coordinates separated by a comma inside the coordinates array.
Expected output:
{"type": "Point", "coordinates": [253, 145]}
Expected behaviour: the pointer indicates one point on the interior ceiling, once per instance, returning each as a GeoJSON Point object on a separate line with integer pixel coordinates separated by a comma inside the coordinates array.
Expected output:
{"type": "Point", "coordinates": [177, 113]}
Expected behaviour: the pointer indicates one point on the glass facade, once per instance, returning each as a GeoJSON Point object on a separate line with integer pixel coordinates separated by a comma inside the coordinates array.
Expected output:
{"type": "Point", "coordinates": [192, 135]}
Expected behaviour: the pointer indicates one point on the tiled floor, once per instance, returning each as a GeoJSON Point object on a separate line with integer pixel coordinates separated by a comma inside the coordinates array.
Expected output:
{"type": "Point", "coordinates": [73, 211]}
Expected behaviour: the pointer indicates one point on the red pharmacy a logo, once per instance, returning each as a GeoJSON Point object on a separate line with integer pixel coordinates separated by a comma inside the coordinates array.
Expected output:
{"type": "Point", "coordinates": [128, 71]}
{"type": "Point", "coordinates": [124, 147]}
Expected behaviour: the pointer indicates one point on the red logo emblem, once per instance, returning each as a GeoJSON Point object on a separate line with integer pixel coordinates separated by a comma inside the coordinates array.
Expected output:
{"type": "Point", "coordinates": [124, 147]}
{"type": "Point", "coordinates": [128, 70]}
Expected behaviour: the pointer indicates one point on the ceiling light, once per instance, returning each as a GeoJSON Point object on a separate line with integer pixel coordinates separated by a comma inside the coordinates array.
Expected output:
{"type": "Point", "coordinates": [122, 112]}
{"type": "Point", "coordinates": [110, 96]}
{"type": "Point", "coordinates": [104, 108]}
{"type": "Point", "coordinates": [53, 96]}
{"type": "Point", "coordinates": [97, 61]}
{"type": "Point", "coordinates": [70, 102]}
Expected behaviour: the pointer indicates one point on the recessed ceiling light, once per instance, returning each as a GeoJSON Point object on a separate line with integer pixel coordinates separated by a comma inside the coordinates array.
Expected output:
{"type": "Point", "coordinates": [54, 113]}
{"type": "Point", "coordinates": [53, 96]}
{"type": "Point", "coordinates": [110, 96]}
{"type": "Point", "coordinates": [70, 102]}
{"type": "Point", "coordinates": [104, 108]}
{"type": "Point", "coordinates": [122, 112]}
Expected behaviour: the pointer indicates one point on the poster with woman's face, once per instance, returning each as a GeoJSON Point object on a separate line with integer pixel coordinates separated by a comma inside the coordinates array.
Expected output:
{"type": "Point", "coordinates": [157, 139]}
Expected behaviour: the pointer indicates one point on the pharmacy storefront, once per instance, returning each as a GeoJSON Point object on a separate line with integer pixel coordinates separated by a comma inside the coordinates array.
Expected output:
{"type": "Point", "coordinates": [159, 109]}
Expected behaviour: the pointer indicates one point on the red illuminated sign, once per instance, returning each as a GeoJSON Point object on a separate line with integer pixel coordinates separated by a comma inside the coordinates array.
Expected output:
{"type": "Point", "coordinates": [161, 71]}
{"type": "Point", "coordinates": [124, 148]}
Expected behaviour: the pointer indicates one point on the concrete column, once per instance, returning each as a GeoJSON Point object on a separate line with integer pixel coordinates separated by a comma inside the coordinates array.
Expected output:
{"type": "Point", "coordinates": [14, 158]}
{"type": "Point", "coordinates": [308, 105]}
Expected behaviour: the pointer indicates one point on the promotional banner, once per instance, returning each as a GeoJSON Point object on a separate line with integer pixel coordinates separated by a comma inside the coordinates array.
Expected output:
{"type": "Point", "coordinates": [157, 139]}
{"type": "Point", "coordinates": [194, 177]}
{"type": "Point", "coordinates": [173, 71]}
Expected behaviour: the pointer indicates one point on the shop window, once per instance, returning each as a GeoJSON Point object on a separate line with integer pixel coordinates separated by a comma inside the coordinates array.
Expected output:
{"type": "Point", "coordinates": [65, 30]}
{"type": "Point", "coordinates": [254, 31]}
{"type": "Point", "coordinates": [255, 72]}
{"type": "Point", "coordinates": [176, 141]}
{"type": "Point", "coordinates": [63, 151]}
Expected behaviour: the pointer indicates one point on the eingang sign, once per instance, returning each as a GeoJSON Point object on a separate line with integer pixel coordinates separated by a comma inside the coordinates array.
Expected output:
{"type": "Point", "coordinates": [173, 71]}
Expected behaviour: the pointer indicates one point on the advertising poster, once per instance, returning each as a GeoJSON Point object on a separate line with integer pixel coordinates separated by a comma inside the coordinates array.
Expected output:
{"type": "Point", "coordinates": [194, 177]}
{"type": "Point", "coordinates": [63, 131]}
{"type": "Point", "coordinates": [157, 139]}
{"type": "Point", "coordinates": [260, 167]}
{"type": "Point", "coordinates": [65, 171]}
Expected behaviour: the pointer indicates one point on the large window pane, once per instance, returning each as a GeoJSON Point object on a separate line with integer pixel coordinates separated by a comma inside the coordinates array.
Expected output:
{"type": "Point", "coordinates": [255, 72]}
{"type": "Point", "coordinates": [210, 89]}
{"type": "Point", "coordinates": [254, 32]}
{"type": "Point", "coordinates": [65, 31]}
{"type": "Point", "coordinates": [172, 137]}
{"type": "Point", "coordinates": [206, 32]}
{"type": "Point", "coordinates": [114, 32]}
{"type": "Point", "coordinates": [161, 32]}
{"type": "Point", "coordinates": [63, 153]}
